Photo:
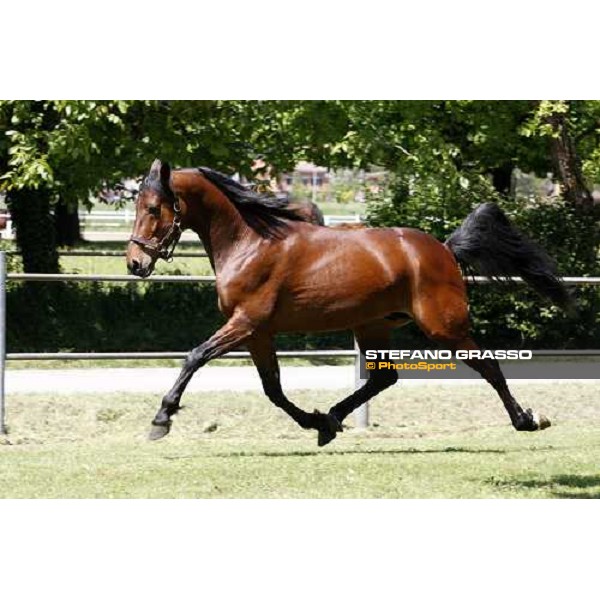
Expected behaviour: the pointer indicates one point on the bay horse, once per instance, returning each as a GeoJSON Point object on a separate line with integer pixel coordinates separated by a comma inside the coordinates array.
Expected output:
{"type": "Point", "coordinates": [275, 272]}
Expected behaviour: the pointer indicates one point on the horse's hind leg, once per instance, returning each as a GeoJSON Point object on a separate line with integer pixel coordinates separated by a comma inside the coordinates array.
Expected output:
{"type": "Point", "coordinates": [489, 369]}
{"type": "Point", "coordinates": [265, 359]}
{"type": "Point", "coordinates": [443, 317]}
{"type": "Point", "coordinates": [375, 336]}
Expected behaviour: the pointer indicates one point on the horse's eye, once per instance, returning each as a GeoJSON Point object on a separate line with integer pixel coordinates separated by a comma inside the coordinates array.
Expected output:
{"type": "Point", "coordinates": [154, 211]}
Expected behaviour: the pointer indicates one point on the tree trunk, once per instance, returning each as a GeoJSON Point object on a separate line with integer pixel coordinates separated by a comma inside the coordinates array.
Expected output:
{"type": "Point", "coordinates": [502, 178]}
{"type": "Point", "coordinates": [568, 164]}
{"type": "Point", "coordinates": [35, 235]}
{"type": "Point", "coordinates": [66, 223]}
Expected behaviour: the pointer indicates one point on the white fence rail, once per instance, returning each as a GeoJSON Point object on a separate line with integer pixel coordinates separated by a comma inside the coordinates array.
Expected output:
{"type": "Point", "coordinates": [93, 223]}
{"type": "Point", "coordinates": [340, 219]}
{"type": "Point", "coordinates": [211, 278]}
{"type": "Point", "coordinates": [113, 253]}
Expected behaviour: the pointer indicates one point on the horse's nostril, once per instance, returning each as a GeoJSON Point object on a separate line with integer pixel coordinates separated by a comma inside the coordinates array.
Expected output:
{"type": "Point", "coordinates": [134, 267]}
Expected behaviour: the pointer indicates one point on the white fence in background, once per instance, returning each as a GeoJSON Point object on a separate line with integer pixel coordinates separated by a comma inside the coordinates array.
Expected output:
{"type": "Point", "coordinates": [340, 219]}
{"type": "Point", "coordinates": [94, 223]}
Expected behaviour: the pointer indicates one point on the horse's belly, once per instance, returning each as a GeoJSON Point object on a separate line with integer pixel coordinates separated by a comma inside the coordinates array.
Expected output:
{"type": "Point", "coordinates": [333, 307]}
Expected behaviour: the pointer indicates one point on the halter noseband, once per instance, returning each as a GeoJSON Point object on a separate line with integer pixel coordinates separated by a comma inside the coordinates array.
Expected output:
{"type": "Point", "coordinates": [165, 247]}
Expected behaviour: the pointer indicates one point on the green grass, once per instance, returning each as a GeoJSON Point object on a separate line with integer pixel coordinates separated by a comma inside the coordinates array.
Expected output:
{"type": "Point", "coordinates": [116, 265]}
{"type": "Point", "coordinates": [429, 442]}
{"type": "Point", "coordinates": [113, 265]}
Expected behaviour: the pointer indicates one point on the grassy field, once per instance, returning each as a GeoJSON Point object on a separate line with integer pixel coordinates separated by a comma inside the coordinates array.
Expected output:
{"type": "Point", "coordinates": [428, 442]}
{"type": "Point", "coordinates": [115, 265]}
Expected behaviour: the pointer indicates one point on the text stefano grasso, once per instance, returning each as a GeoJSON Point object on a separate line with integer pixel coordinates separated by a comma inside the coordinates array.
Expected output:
{"type": "Point", "coordinates": [448, 354]}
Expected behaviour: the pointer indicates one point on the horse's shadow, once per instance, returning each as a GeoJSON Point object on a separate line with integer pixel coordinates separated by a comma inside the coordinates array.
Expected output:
{"type": "Point", "coordinates": [565, 486]}
{"type": "Point", "coordinates": [359, 451]}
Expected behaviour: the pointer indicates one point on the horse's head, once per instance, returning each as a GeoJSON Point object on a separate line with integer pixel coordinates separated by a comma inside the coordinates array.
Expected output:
{"type": "Point", "coordinates": [157, 226]}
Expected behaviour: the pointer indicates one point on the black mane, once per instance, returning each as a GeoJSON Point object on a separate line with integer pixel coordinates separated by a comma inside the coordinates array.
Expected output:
{"type": "Point", "coordinates": [266, 214]}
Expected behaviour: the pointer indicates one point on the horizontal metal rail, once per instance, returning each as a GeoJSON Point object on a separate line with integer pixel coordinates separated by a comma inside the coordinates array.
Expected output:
{"type": "Point", "coordinates": [212, 278]}
{"type": "Point", "coordinates": [167, 355]}
{"type": "Point", "coordinates": [111, 253]}
{"type": "Point", "coordinates": [114, 278]}
{"type": "Point", "coordinates": [239, 355]}
{"type": "Point", "coordinates": [567, 280]}
{"type": "Point", "coordinates": [110, 221]}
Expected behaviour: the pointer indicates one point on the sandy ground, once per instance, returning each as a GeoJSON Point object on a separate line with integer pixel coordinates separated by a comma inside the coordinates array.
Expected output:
{"type": "Point", "coordinates": [160, 379]}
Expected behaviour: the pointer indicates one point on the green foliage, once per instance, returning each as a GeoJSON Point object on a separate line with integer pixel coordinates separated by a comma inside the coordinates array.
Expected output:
{"type": "Point", "coordinates": [538, 122]}
{"type": "Point", "coordinates": [434, 203]}
{"type": "Point", "coordinates": [96, 317]}
{"type": "Point", "coordinates": [75, 147]}
{"type": "Point", "coordinates": [582, 118]}
{"type": "Point", "coordinates": [347, 186]}
{"type": "Point", "coordinates": [12, 261]}
{"type": "Point", "coordinates": [344, 194]}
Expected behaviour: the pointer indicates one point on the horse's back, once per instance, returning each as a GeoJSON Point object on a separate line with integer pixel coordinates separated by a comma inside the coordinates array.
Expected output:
{"type": "Point", "coordinates": [392, 253]}
{"type": "Point", "coordinates": [335, 278]}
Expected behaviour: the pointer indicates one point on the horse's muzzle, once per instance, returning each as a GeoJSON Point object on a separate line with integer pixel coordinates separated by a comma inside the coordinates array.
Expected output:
{"type": "Point", "coordinates": [136, 268]}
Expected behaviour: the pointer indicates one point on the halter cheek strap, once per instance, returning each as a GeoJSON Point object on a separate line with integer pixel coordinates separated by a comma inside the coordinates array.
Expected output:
{"type": "Point", "coordinates": [163, 248]}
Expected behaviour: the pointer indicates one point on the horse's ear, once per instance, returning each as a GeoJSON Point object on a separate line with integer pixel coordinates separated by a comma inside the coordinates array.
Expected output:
{"type": "Point", "coordinates": [155, 169]}
{"type": "Point", "coordinates": [160, 171]}
{"type": "Point", "coordinates": [165, 175]}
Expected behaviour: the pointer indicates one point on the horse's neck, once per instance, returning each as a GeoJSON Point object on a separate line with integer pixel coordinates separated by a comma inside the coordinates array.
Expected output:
{"type": "Point", "coordinates": [219, 226]}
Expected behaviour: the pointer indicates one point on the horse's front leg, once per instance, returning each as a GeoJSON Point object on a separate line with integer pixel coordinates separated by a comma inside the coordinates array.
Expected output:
{"type": "Point", "coordinates": [231, 335]}
{"type": "Point", "coordinates": [262, 349]}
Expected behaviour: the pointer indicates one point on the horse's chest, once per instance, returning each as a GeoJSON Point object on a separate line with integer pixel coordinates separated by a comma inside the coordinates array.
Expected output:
{"type": "Point", "coordinates": [248, 286]}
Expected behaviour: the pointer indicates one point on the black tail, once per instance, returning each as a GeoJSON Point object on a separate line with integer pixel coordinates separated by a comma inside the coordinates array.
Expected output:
{"type": "Point", "coordinates": [487, 243]}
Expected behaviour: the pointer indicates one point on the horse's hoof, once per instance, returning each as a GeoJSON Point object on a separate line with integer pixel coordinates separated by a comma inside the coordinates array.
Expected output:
{"type": "Point", "coordinates": [530, 421]}
{"type": "Point", "coordinates": [325, 437]}
{"type": "Point", "coordinates": [328, 429]}
{"type": "Point", "coordinates": [544, 422]}
{"type": "Point", "coordinates": [159, 431]}
{"type": "Point", "coordinates": [538, 421]}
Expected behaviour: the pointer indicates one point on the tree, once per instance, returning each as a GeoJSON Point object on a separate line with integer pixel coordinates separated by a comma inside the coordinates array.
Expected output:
{"type": "Point", "coordinates": [58, 153]}
{"type": "Point", "coordinates": [443, 154]}
{"type": "Point", "coordinates": [54, 152]}
{"type": "Point", "coordinates": [556, 122]}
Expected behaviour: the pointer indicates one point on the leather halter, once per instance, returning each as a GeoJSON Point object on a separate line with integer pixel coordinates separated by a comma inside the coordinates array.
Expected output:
{"type": "Point", "coordinates": [163, 248]}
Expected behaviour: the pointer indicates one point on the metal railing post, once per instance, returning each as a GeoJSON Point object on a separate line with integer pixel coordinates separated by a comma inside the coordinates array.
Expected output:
{"type": "Point", "coordinates": [361, 414]}
{"type": "Point", "coordinates": [2, 339]}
